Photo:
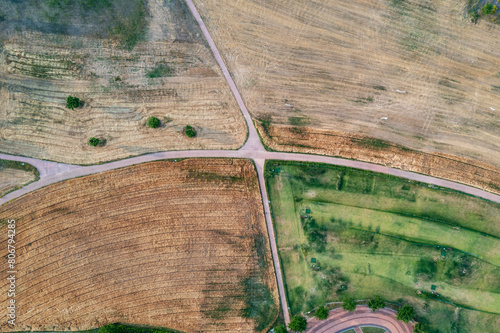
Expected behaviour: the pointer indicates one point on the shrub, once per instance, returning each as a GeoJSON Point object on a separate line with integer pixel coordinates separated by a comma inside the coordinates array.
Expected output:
{"type": "Point", "coordinates": [406, 313]}
{"type": "Point", "coordinates": [93, 141]}
{"type": "Point", "coordinates": [376, 303]}
{"type": "Point", "coordinates": [298, 324]}
{"type": "Point", "coordinates": [321, 313]}
{"type": "Point", "coordinates": [160, 70]}
{"type": "Point", "coordinates": [349, 304]}
{"type": "Point", "coordinates": [190, 132]}
{"type": "Point", "coordinates": [488, 9]}
{"type": "Point", "coordinates": [72, 102]}
{"type": "Point", "coordinates": [153, 122]}
{"type": "Point", "coordinates": [280, 329]}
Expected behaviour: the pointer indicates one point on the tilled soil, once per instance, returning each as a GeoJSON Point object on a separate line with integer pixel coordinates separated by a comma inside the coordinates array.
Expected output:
{"type": "Point", "coordinates": [164, 244]}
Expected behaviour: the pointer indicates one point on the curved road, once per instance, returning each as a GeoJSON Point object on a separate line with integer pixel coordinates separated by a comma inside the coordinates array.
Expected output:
{"type": "Point", "coordinates": [340, 320]}
{"type": "Point", "coordinates": [52, 172]}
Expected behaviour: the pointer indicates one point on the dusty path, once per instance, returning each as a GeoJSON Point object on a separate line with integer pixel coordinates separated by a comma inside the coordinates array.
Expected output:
{"type": "Point", "coordinates": [340, 320]}
{"type": "Point", "coordinates": [52, 172]}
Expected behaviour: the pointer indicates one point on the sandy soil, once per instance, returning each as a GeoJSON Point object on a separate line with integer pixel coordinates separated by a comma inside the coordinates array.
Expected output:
{"type": "Point", "coordinates": [416, 73]}
{"type": "Point", "coordinates": [163, 243]}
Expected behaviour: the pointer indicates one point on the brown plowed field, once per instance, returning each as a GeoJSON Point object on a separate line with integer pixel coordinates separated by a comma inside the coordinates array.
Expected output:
{"type": "Point", "coordinates": [349, 64]}
{"type": "Point", "coordinates": [164, 243]}
{"type": "Point", "coordinates": [39, 70]}
{"type": "Point", "coordinates": [359, 147]}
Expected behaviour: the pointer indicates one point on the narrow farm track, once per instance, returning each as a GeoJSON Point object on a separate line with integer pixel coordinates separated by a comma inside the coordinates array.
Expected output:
{"type": "Point", "coordinates": [52, 172]}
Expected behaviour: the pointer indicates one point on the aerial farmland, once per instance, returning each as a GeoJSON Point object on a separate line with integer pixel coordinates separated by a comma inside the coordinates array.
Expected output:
{"type": "Point", "coordinates": [250, 166]}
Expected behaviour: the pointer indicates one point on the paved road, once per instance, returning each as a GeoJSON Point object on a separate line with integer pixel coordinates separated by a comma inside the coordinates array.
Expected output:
{"type": "Point", "coordinates": [52, 172]}
{"type": "Point", "coordinates": [340, 320]}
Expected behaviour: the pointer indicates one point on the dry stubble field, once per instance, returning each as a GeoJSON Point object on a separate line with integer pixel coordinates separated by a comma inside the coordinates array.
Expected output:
{"type": "Point", "coordinates": [45, 58]}
{"type": "Point", "coordinates": [11, 179]}
{"type": "Point", "coordinates": [175, 244]}
{"type": "Point", "coordinates": [345, 66]}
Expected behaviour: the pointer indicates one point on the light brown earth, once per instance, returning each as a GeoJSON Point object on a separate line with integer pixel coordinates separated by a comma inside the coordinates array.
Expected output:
{"type": "Point", "coordinates": [358, 147]}
{"type": "Point", "coordinates": [338, 66]}
{"type": "Point", "coordinates": [39, 70]}
{"type": "Point", "coordinates": [13, 178]}
{"type": "Point", "coordinates": [163, 243]}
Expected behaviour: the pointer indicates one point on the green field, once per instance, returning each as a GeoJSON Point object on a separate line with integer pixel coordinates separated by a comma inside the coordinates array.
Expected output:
{"type": "Point", "coordinates": [349, 233]}
{"type": "Point", "coordinates": [371, 329]}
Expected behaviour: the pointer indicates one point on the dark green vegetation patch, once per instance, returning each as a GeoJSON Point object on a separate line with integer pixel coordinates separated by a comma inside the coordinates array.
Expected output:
{"type": "Point", "coordinates": [122, 20]}
{"type": "Point", "coordinates": [189, 131]}
{"type": "Point", "coordinates": [373, 234]}
{"type": "Point", "coordinates": [122, 328]}
{"type": "Point", "coordinates": [153, 122]}
{"type": "Point", "coordinates": [160, 70]}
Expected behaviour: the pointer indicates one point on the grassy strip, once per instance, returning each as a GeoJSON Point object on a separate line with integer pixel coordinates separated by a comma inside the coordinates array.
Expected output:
{"type": "Point", "coordinates": [355, 224]}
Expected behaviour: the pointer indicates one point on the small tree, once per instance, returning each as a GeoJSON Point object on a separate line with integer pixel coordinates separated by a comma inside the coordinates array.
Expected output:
{"type": "Point", "coordinates": [321, 313]}
{"type": "Point", "coordinates": [153, 122]}
{"type": "Point", "coordinates": [406, 313]}
{"type": "Point", "coordinates": [349, 304]}
{"type": "Point", "coordinates": [280, 329]}
{"type": "Point", "coordinates": [298, 324]}
{"type": "Point", "coordinates": [376, 303]}
{"type": "Point", "coordinates": [190, 132]}
{"type": "Point", "coordinates": [72, 102]}
{"type": "Point", "coordinates": [93, 141]}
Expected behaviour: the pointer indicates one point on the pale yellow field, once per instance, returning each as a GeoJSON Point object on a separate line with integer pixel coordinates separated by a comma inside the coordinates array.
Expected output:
{"type": "Point", "coordinates": [347, 65]}
{"type": "Point", "coordinates": [39, 70]}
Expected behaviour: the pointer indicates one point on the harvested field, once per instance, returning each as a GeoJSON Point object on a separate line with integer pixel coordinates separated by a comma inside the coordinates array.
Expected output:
{"type": "Point", "coordinates": [416, 73]}
{"type": "Point", "coordinates": [14, 175]}
{"type": "Point", "coordinates": [169, 73]}
{"type": "Point", "coordinates": [359, 147]}
{"type": "Point", "coordinates": [174, 244]}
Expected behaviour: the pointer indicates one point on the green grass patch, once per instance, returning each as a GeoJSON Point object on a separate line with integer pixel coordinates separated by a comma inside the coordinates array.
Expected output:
{"type": "Point", "coordinates": [160, 70]}
{"type": "Point", "coordinates": [373, 143]}
{"type": "Point", "coordinates": [372, 234]}
{"type": "Point", "coordinates": [372, 329]}
{"type": "Point", "coordinates": [127, 328]}
{"type": "Point", "coordinates": [298, 121]}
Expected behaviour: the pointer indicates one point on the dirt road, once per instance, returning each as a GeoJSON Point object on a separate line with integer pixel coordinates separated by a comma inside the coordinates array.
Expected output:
{"type": "Point", "coordinates": [51, 172]}
{"type": "Point", "coordinates": [340, 320]}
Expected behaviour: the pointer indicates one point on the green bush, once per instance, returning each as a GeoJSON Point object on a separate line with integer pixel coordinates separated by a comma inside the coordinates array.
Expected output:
{"type": "Point", "coordinates": [376, 303]}
{"type": "Point", "coordinates": [190, 132]}
{"type": "Point", "coordinates": [406, 313]}
{"type": "Point", "coordinates": [153, 122]}
{"type": "Point", "coordinates": [321, 313]}
{"type": "Point", "coordinates": [72, 102]}
{"type": "Point", "coordinates": [489, 9]}
{"type": "Point", "coordinates": [349, 304]}
{"type": "Point", "coordinates": [298, 324]}
{"type": "Point", "coordinates": [280, 329]}
{"type": "Point", "coordinates": [93, 141]}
